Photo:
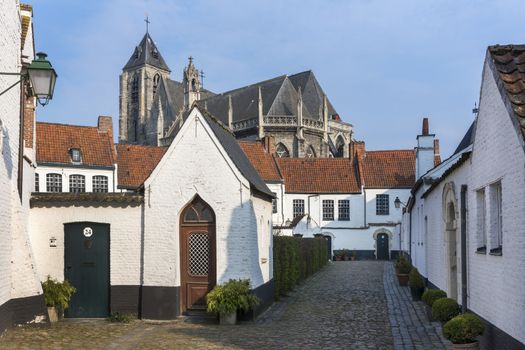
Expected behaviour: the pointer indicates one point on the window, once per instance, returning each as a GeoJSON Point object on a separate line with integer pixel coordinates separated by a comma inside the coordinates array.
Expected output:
{"type": "Point", "coordinates": [382, 204]}
{"type": "Point", "coordinates": [77, 183]}
{"type": "Point", "coordinates": [156, 80]}
{"type": "Point", "coordinates": [344, 210]}
{"type": "Point", "coordinates": [100, 183]}
{"type": "Point", "coordinates": [310, 152]}
{"type": "Point", "coordinates": [340, 146]}
{"type": "Point", "coordinates": [282, 151]}
{"type": "Point", "coordinates": [75, 155]}
{"type": "Point", "coordinates": [54, 183]}
{"type": "Point", "coordinates": [135, 89]}
{"type": "Point", "coordinates": [298, 207]}
{"type": "Point", "coordinates": [328, 209]}
{"type": "Point", "coordinates": [496, 222]}
{"type": "Point", "coordinates": [37, 183]}
{"type": "Point", "coordinates": [481, 221]}
{"type": "Point", "coordinates": [274, 205]}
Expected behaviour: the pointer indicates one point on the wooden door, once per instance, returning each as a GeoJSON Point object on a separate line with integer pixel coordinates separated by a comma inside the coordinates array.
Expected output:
{"type": "Point", "coordinates": [86, 267]}
{"type": "Point", "coordinates": [197, 252]}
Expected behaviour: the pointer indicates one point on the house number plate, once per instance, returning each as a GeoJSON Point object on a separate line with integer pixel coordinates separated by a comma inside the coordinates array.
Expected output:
{"type": "Point", "coordinates": [88, 231]}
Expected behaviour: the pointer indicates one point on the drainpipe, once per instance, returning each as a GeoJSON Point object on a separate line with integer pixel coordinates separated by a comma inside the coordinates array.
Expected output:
{"type": "Point", "coordinates": [364, 198]}
{"type": "Point", "coordinates": [463, 248]}
{"type": "Point", "coordinates": [410, 234]}
{"type": "Point", "coordinates": [309, 216]}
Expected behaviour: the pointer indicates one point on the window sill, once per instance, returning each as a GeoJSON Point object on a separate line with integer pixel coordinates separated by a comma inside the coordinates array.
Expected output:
{"type": "Point", "coordinates": [496, 251]}
{"type": "Point", "coordinates": [481, 250]}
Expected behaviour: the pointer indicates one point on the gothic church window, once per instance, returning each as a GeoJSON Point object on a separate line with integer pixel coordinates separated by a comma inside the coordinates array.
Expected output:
{"type": "Point", "coordinates": [310, 152]}
{"type": "Point", "coordinates": [135, 89]}
{"type": "Point", "coordinates": [340, 146]}
{"type": "Point", "coordinates": [282, 151]}
{"type": "Point", "coordinates": [156, 80]}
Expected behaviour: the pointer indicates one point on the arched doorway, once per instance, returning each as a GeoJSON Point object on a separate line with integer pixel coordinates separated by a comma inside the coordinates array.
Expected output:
{"type": "Point", "coordinates": [382, 245]}
{"type": "Point", "coordinates": [197, 254]}
{"type": "Point", "coordinates": [452, 250]}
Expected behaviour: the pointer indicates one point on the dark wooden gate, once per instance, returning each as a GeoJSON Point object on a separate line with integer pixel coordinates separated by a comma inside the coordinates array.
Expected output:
{"type": "Point", "coordinates": [86, 267]}
{"type": "Point", "coordinates": [382, 247]}
{"type": "Point", "coordinates": [197, 252]}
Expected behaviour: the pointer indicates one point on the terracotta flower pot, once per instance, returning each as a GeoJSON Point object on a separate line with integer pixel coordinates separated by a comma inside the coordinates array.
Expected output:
{"type": "Point", "coordinates": [402, 278]}
{"type": "Point", "coordinates": [469, 346]}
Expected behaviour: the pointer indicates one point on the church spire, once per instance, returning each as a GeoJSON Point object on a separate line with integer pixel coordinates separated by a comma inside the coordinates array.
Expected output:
{"type": "Point", "coordinates": [146, 53]}
{"type": "Point", "coordinates": [192, 84]}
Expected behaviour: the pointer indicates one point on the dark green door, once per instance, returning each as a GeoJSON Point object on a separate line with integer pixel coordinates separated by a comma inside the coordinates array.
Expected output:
{"type": "Point", "coordinates": [382, 246]}
{"type": "Point", "coordinates": [86, 266]}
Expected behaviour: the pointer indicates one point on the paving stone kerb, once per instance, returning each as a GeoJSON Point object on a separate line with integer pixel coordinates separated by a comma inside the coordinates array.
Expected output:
{"type": "Point", "coordinates": [344, 306]}
{"type": "Point", "coordinates": [411, 328]}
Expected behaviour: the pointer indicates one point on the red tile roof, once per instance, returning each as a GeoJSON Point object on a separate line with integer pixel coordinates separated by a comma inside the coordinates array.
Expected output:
{"type": "Point", "coordinates": [135, 164]}
{"type": "Point", "coordinates": [389, 169]}
{"type": "Point", "coordinates": [54, 142]}
{"type": "Point", "coordinates": [319, 175]}
{"type": "Point", "coordinates": [261, 160]}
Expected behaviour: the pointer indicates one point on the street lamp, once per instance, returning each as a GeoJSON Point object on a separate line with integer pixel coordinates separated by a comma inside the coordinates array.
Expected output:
{"type": "Point", "coordinates": [42, 76]}
{"type": "Point", "coordinates": [397, 203]}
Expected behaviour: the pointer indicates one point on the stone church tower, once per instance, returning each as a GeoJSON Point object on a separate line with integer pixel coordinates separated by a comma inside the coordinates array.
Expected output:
{"type": "Point", "coordinates": [192, 84]}
{"type": "Point", "coordinates": [139, 82]}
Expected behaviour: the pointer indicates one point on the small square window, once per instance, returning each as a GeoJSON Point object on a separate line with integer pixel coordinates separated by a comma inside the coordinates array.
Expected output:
{"type": "Point", "coordinates": [328, 210]}
{"type": "Point", "coordinates": [75, 155]}
{"type": "Point", "coordinates": [382, 204]}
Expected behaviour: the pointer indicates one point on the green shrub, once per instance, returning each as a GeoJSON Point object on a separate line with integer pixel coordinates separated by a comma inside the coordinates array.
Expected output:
{"type": "Point", "coordinates": [295, 259]}
{"type": "Point", "coordinates": [403, 265]}
{"type": "Point", "coordinates": [415, 280]}
{"type": "Point", "coordinates": [431, 295]}
{"type": "Point", "coordinates": [463, 329]}
{"type": "Point", "coordinates": [232, 296]}
{"type": "Point", "coordinates": [444, 309]}
{"type": "Point", "coordinates": [57, 294]}
{"type": "Point", "coordinates": [117, 317]}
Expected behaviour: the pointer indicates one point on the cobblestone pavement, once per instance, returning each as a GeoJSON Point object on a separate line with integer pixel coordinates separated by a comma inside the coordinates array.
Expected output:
{"type": "Point", "coordinates": [410, 326]}
{"type": "Point", "coordinates": [344, 306]}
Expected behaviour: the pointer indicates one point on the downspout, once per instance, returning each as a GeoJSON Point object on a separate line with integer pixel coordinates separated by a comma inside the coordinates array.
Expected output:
{"type": "Point", "coordinates": [282, 204]}
{"type": "Point", "coordinates": [309, 216]}
{"type": "Point", "coordinates": [410, 234]}
{"type": "Point", "coordinates": [463, 248]}
{"type": "Point", "coordinates": [20, 179]}
{"type": "Point", "coordinates": [364, 198]}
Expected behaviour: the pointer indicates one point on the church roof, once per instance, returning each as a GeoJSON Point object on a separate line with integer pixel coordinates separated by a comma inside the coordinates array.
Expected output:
{"type": "Point", "coordinates": [261, 160]}
{"type": "Point", "coordinates": [312, 92]}
{"type": "Point", "coordinates": [389, 169]}
{"type": "Point", "coordinates": [467, 139]}
{"type": "Point", "coordinates": [146, 53]}
{"type": "Point", "coordinates": [135, 164]}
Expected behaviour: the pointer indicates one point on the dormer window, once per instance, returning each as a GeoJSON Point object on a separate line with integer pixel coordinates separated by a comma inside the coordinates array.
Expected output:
{"type": "Point", "coordinates": [75, 155]}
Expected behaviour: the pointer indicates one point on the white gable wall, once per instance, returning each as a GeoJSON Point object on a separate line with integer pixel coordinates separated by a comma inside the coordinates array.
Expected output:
{"type": "Point", "coordinates": [194, 164]}
{"type": "Point", "coordinates": [498, 155]}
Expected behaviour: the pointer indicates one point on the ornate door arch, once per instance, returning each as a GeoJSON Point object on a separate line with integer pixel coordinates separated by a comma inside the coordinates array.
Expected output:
{"type": "Point", "coordinates": [197, 254]}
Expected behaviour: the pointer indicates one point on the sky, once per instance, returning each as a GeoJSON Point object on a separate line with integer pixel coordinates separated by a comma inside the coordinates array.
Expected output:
{"type": "Point", "coordinates": [383, 64]}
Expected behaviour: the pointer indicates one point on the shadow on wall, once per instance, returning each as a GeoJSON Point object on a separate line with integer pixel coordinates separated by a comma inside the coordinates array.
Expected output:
{"type": "Point", "coordinates": [5, 148]}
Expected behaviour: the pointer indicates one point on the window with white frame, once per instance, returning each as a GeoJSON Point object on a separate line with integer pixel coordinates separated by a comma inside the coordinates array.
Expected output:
{"type": "Point", "coordinates": [75, 155]}
{"type": "Point", "coordinates": [37, 182]}
{"type": "Point", "coordinates": [100, 183]}
{"type": "Point", "coordinates": [481, 221]}
{"type": "Point", "coordinates": [344, 210]}
{"type": "Point", "coordinates": [328, 209]}
{"type": "Point", "coordinates": [77, 183]}
{"type": "Point", "coordinates": [298, 207]}
{"type": "Point", "coordinates": [382, 204]}
{"type": "Point", "coordinates": [54, 182]}
{"type": "Point", "coordinates": [496, 222]}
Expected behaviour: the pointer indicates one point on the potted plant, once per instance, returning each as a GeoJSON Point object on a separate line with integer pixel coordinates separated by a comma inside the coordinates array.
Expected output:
{"type": "Point", "coordinates": [444, 309]}
{"type": "Point", "coordinates": [338, 255]}
{"type": "Point", "coordinates": [402, 270]}
{"type": "Point", "coordinates": [354, 255]}
{"type": "Point", "coordinates": [429, 297]}
{"type": "Point", "coordinates": [57, 296]}
{"type": "Point", "coordinates": [462, 331]}
{"type": "Point", "coordinates": [416, 284]}
{"type": "Point", "coordinates": [346, 255]}
{"type": "Point", "coordinates": [225, 300]}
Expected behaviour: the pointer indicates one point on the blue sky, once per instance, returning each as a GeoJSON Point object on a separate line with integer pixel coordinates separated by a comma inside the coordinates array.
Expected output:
{"type": "Point", "coordinates": [383, 64]}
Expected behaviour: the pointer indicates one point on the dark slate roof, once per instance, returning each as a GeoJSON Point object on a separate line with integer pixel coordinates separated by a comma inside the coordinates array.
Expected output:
{"type": "Point", "coordinates": [236, 154]}
{"type": "Point", "coordinates": [509, 61]}
{"type": "Point", "coordinates": [464, 157]}
{"type": "Point", "coordinates": [312, 93]}
{"type": "Point", "coordinates": [468, 139]}
{"type": "Point", "coordinates": [146, 53]}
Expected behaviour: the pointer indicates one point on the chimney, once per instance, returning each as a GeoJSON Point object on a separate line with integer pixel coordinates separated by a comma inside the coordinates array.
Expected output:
{"type": "Point", "coordinates": [425, 127]}
{"type": "Point", "coordinates": [359, 149]}
{"type": "Point", "coordinates": [437, 157]}
{"type": "Point", "coordinates": [269, 144]}
{"type": "Point", "coordinates": [105, 124]}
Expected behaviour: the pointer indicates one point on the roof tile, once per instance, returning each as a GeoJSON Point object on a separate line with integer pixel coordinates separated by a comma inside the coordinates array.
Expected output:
{"type": "Point", "coordinates": [389, 169]}
{"type": "Point", "coordinates": [135, 164]}
{"type": "Point", "coordinates": [261, 160]}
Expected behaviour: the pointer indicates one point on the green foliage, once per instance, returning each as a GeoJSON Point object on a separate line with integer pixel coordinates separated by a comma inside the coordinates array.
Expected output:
{"type": "Point", "coordinates": [56, 293]}
{"type": "Point", "coordinates": [463, 329]}
{"type": "Point", "coordinates": [415, 280]}
{"type": "Point", "coordinates": [444, 309]}
{"type": "Point", "coordinates": [403, 266]}
{"type": "Point", "coordinates": [117, 317]}
{"type": "Point", "coordinates": [232, 296]}
{"type": "Point", "coordinates": [431, 295]}
{"type": "Point", "coordinates": [295, 259]}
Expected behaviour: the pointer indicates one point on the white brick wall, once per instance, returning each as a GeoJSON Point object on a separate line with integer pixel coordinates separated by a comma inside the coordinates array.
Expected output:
{"type": "Point", "coordinates": [496, 282]}
{"type": "Point", "coordinates": [197, 163]}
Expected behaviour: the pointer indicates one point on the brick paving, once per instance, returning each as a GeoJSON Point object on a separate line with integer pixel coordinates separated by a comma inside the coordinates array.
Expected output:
{"type": "Point", "coordinates": [344, 306]}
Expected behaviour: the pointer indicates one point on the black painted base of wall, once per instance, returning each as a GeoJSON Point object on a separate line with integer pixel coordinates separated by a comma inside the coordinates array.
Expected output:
{"type": "Point", "coordinates": [263, 292]}
{"type": "Point", "coordinates": [125, 300]}
{"type": "Point", "coordinates": [495, 338]}
{"type": "Point", "coordinates": [371, 254]}
{"type": "Point", "coordinates": [160, 303]}
{"type": "Point", "coordinates": [21, 310]}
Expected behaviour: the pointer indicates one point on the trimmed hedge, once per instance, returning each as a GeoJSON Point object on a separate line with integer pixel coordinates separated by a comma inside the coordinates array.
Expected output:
{"type": "Point", "coordinates": [431, 295]}
{"type": "Point", "coordinates": [295, 259]}
{"type": "Point", "coordinates": [444, 309]}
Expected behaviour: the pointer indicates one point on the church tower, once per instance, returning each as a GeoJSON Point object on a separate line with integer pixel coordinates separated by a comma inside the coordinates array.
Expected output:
{"type": "Point", "coordinates": [139, 81]}
{"type": "Point", "coordinates": [192, 84]}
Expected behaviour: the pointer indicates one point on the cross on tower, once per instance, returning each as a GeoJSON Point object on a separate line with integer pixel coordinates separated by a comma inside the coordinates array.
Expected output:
{"type": "Point", "coordinates": [147, 23]}
{"type": "Point", "coordinates": [202, 78]}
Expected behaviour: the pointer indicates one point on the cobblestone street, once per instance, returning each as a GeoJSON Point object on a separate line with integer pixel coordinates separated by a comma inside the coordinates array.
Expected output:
{"type": "Point", "coordinates": [348, 305]}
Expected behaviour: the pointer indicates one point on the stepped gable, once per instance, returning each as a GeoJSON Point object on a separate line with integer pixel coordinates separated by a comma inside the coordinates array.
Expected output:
{"type": "Point", "coordinates": [135, 164]}
{"type": "Point", "coordinates": [389, 169]}
{"type": "Point", "coordinates": [55, 141]}
{"type": "Point", "coordinates": [509, 62]}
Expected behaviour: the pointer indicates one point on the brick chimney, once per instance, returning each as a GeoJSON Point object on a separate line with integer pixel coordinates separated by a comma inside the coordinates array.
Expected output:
{"type": "Point", "coordinates": [424, 130]}
{"type": "Point", "coordinates": [437, 157]}
{"type": "Point", "coordinates": [105, 124]}
{"type": "Point", "coordinates": [425, 150]}
{"type": "Point", "coordinates": [269, 143]}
